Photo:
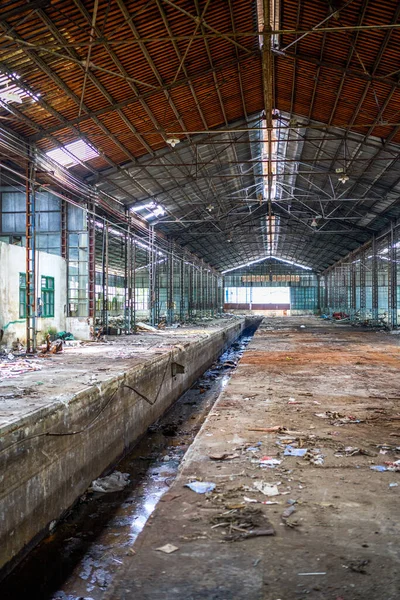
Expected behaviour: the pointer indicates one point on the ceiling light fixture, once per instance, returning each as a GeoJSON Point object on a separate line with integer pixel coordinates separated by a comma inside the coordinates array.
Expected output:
{"type": "Point", "coordinates": [173, 141]}
{"type": "Point", "coordinates": [210, 208]}
{"type": "Point", "coordinates": [314, 222]}
{"type": "Point", "coordinates": [343, 178]}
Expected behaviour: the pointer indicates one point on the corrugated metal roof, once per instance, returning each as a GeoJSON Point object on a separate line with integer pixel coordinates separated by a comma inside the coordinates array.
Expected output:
{"type": "Point", "coordinates": [173, 67]}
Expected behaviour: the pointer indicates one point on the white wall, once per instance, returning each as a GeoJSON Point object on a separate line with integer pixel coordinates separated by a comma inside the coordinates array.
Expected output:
{"type": "Point", "coordinates": [12, 263]}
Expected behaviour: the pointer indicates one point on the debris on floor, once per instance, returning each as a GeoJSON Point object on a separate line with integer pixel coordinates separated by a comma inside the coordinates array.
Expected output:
{"type": "Point", "coordinates": [115, 482]}
{"type": "Point", "coordinates": [265, 488]}
{"type": "Point", "coordinates": [243, 523]}
{"type": "Point", "coordinates": [168, 548]}
{"type": "Point", "coordinates": [201, 487]}
{"type": "Point", "coordinates": [140, 326]}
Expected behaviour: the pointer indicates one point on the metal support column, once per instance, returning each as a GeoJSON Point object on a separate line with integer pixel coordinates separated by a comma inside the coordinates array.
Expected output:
{"type": "Point", "coordinates": [363, 289]}
{"type": "Point", "coordinates": [374, 283]}
{"type": "Point", "coordinates": [133, 290]}
{"type": "Point", "coordinates": [201, 286]}
{"type": "Point", "coordinates": [392, 280]}
{"type": "Point", "coordinates": [64, 229]}
{"type": "Point", "coordinates": [318, 293]}
{"type": "Point", "coordinates": [182, 290]}
{"type": "Point", "coordinates": [152, 277]}
{"type": "Point", "coordinates": [92, 262]}
{"type": "Point", "coordinates": [170, 285]}
{"type": "Point", "coordinates": [30, 270]}
{"type": "Point", "coordinates": [127, 281]}
{"type": "Point", "coordinates": [105, 277]}
{"type": "Point", "coordinates": [353, 288]}
{"type": "Point", "coordinates": [190, 292]}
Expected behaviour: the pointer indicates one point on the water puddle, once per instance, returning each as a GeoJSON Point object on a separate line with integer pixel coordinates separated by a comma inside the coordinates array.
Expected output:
{"type": "Point", "coordinates": [81, 558]}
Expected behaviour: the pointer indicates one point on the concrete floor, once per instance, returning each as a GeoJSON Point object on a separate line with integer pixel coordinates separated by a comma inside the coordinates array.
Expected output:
{"type": "Point", "coordinates": [341, 540]}
{"type": "Point", "coordinates": [38, 382]}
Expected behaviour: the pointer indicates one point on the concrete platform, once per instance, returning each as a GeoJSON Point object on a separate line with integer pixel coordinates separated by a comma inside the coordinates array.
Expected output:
{"type": "Point", "coordinates": [64, 425]}
{"type": "Point", "coordinates": [53, 378]}
{"type": "Point", "coordinates": [336, 519]}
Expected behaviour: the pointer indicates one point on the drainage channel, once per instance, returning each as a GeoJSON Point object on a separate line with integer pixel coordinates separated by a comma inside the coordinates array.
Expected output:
{"type": "Point", "coordinates": [80, 559]}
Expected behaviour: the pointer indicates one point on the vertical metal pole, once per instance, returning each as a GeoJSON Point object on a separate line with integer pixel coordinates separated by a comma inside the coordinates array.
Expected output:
{"type": "Point", "coordinates": [392, 280]}
{"type": "Point", "coordinates": [201, 292]}
{"type": "Point", "coordinates": [182, 290]}
{"type": "Point", "coordinates": [363, 288]}
{"type": "Point", "coordinates": [170, 285]}
{"type": "Point", "coordinates": [152, 277]}
{"type": "Point", "coordinates": [374, 283]}
{"type": "Point", "coordinates": [92, 262]}
{"type": "Point", "coordinates": [105, 277]}
{"type": "Point", "coordinates": [133, 296]}
{"type": "Point", "coordinates": [127, 282]}
{"type": "Point", "coordinates": [64, 229]}
{"type": "Point", "coordinates": [353, 288]}
{"type": "Point", "coordinates": [30, 270]}
{"type": "Point", "coordinates": [190, 295]}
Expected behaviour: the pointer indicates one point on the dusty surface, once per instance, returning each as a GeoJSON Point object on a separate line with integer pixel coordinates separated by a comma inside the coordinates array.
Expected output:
{"type": "Point", "coordinates": [80, 558]}
{"type": "Point", "coordinates": [29, 384]}
{"type": "Point", "coordinates": [341, 540]}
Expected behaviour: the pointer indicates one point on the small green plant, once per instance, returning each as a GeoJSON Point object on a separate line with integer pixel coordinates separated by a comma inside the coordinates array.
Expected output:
{"type": "Point", "coordinates": [51, 331]}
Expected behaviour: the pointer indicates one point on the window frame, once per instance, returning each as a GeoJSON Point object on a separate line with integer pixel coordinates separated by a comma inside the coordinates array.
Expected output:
{"type": "Point", "coordinates": [47, 296]}
{"type": "Point", "coordinates": [22, 290]}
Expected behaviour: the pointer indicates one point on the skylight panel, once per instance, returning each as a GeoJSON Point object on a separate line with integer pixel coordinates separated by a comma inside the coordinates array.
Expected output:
{"type": "Point", "coordinates": [72, 153]}
{"type": "Point", "coordinates": [11, 93]}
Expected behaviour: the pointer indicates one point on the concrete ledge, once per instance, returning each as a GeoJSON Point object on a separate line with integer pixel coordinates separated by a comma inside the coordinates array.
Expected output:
{"type": "Point", "coordinates": [49, 458]}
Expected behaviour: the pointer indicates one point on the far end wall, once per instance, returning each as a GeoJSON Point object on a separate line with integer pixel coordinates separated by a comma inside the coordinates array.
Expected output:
{"type": "Point", "coordinates": [272, 288]}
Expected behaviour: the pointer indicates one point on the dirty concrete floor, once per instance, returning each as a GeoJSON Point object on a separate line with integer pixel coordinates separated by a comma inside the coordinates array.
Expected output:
{"type": "Point", "coordinates": [58, 377]}
{"type": "Point", "coordinates": [335, 518]}
{"type": "Point", "coordinates": [81, 557]}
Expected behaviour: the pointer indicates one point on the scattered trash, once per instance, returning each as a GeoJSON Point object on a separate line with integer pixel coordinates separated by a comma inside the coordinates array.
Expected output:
{"type": "Point", "coordinates": [229, 364]}
{"type": "Point", "coordinates": [393, 466]}
{"type": "Point", "coordinates": [358, 566]}
{"type": "Point", "coordinates": [144, 327]}
{"type": "Point", "coordinates": [224, 456]}
{"type": "Point", "coordinates": [290, 451]}
{"type": "Point", "coordinates": [266, 488]}
{"type": "Point", "coordinates": [168, 548]}
{"type": "Point", "coordinates": [201, 487]}
{"type": "Point", "coordinates": [353, 451]}
{"type": "Point", "coordinates": [250, 534]}
{"type": "Point", "coordinates": [14, 368]}
{"type": "Point", "coordinates": [289, 511]}
{"type": "Point", "coordinates": [314, 457]}
{"type": "Point", "coordinates": [243, 523]}
{"type": "Point", "coordinates": [115, 482]}
{"type": "Point", "coordinates": [322, 573]}
{"type": "Point", "coordinates": [338, 418]}
{"type": "Point", "coordinates": [274, 429]}
{"type": "Point", "coordinates": [378, 468]}
{"type": "Point", "coordinates": [250, 500]}
{"type": "Point", "coordinates": [392, 485]}
{"type": "Point", "coordinates": [269, 462]}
